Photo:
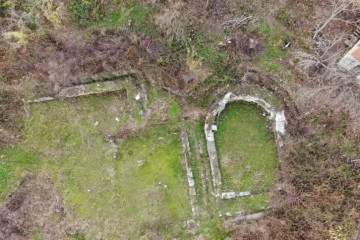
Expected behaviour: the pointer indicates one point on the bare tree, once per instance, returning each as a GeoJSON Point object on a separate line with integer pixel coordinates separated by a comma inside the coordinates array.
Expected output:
{"type": "Point", "coordinates": [337, 7]}
{"type": "Point", "coordinates": [238, 22]}
{"type": "Point", "coordinates": [329, 85]}
{"type": "Point", "coordinates": [321, 62]}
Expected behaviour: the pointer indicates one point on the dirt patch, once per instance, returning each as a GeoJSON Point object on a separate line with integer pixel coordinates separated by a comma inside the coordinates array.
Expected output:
{"type": "Point", "coordinates": [192, 113]}
{"type": "Point", "coordinates": [34, 208]}
{"type": "Point", "coordinates": [245, 44]}
{"type": "Point", "coordinates": [11, 111]}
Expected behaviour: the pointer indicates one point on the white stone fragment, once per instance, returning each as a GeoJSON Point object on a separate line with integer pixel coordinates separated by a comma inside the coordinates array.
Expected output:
{"type": "Point", "coordinates": [43, 99]}
{"type": "Point", "coordinates": [231, 195]}
{"type": "Point", "coordinates": [140, 163]}
{"type": "Point", "coordinates": [227, 214]}
{"type": "Point", "coordinates": [96, 123]}
{"type": "Point", "coordinates": [228, 195]}
{"type": "Point", "coordinates": [243, 194]}
{"type": "Point", "coordinates": [280, 122]}
{"type": "Point", "coordinates": [137, 97]}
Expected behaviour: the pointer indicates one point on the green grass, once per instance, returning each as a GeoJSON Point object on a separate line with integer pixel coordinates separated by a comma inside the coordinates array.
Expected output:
{"type": "Point", "coordinates": [254, 203]}
{"type": "Point", "coordinates": [86, 12]}
{"type": "Point", "coordinates": [246, 148]}
{"type": "Point", "coordinates": [138, 16]}
{"type": "Point", "coordinates": [116, 197]}
{"type": "Point", "coordinates": [203, 49]}
{"type": "Point", "coordinates": [148, 198]}
{"type": "Point", "coordinates": [247, 156]}
{"type": "Point", "coordinates": [274, 38]}
{"type": "Point", "coordinates": [14, 163]}
{"type": "Point", "coordinates": [212, 228]}
{"type": "Point", "coordinates": [174, 111]}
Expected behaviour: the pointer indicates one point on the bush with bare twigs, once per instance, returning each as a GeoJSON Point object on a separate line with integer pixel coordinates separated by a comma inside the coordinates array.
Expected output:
{"type": "Point", "coordinates": [173, 22]}
{"type": "Point", "coordinates": [319, 185]}
{"type": "Point", "coordinates": [11, 113]}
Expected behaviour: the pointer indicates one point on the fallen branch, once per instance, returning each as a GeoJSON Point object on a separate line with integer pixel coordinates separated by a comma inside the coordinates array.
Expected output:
{"type": "Point", "coordinates": [237, 22]}
{"type": "Point", "coordinates": [248, 217]}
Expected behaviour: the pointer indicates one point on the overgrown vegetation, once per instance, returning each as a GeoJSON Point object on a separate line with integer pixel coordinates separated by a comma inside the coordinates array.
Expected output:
{"type": "Point", "coordinates": [190, 51]}
{"type": "Point", "coordinates": [320, 180]}
{"type": "Point", "coordinates": [86, 12]}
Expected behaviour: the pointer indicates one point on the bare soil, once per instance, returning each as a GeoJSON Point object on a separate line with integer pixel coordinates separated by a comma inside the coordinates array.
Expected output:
{"type": "Point", "coordinates": [35, 205]}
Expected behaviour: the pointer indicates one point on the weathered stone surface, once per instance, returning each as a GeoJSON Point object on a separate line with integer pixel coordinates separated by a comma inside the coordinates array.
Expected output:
{"type": "Point", "coordinates": [189, 173]}
{"type": "Point", "coordinates": [231, 195]}
{"type": "Point", "coordinates": [85, 89]}
{"type": "Point", "coordinates": [137, 97]}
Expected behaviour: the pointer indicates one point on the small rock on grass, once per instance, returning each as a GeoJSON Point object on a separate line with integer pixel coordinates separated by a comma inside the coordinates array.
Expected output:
{"type": "Point", "coordinates": [227, 214]}
{"type": "Point", "coordinates": [137, 97]}
{"type": "Point", "coordinates": [140, 163]}
{"type": "Point", "coordinates": [191, 226]}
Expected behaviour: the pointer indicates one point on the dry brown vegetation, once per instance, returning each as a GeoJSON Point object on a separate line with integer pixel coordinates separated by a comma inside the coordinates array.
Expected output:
{"type": "Point", "coordinates": [319, 190]}
{"type": "Point", "coordinates": [320, 160]}
{"type": "Point", "coordinates": [11, 112]}
{"type": "Point", "coordinates": [36, 203]}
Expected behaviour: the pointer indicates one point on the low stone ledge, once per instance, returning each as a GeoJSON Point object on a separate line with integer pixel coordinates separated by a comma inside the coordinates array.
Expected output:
{"type": "Point", "coordinates": [232, 195]}
{"type": "Point", "coordinates": [189, 173]}
{"type": "Point", "coordinates": [86, 89]}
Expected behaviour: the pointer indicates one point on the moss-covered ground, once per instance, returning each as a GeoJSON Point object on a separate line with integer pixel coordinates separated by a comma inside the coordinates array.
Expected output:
{"type": "Point", "coordinates": [114, 196]}
{"type": "Point", "coordinates": [247, 154]}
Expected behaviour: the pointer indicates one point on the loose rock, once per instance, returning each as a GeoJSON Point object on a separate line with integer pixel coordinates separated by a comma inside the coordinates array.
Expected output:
{"type": "Point", "coordinates": [137, 97]}
{"type": "Point", "coordinates": [140, 163]}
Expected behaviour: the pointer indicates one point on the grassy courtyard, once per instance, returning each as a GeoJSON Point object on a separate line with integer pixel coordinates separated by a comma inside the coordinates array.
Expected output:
{"type": "Point", "coordinates": [139, 189]}
{"type": "Point", "coordinates": [247, 154]}
{"type": "Point", "coordinates": [115, 197]}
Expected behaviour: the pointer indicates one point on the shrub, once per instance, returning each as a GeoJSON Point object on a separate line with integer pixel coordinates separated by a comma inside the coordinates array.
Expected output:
{"type": "Point", "coordinates": [87, 11]}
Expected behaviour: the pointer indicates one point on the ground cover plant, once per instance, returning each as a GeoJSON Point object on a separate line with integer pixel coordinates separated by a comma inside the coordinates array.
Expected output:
{"type": "Point", "coordinates": [195, 51]}
{"type": "Point", "coordinates": [247, 154]}
{"type": "Point", "coordinates": [246, 149]}
{"type": "Point", "coordinates": [108, 191]}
